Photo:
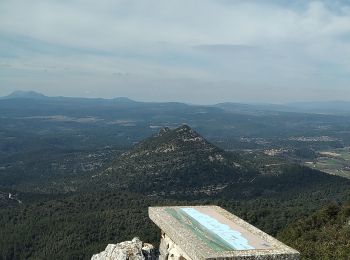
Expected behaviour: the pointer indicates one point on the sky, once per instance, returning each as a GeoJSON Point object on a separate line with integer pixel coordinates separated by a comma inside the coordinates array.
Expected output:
{"type": "Point", "coordinates": [194, 51]}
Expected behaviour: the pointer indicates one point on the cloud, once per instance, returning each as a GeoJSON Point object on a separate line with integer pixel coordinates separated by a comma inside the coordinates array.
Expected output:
{"type": "Point", "coordinates": [290, 48]}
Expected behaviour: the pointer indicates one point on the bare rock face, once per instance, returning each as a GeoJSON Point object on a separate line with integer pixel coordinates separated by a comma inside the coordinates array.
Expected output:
{"type": "Point", "coordinates": [128, 250]}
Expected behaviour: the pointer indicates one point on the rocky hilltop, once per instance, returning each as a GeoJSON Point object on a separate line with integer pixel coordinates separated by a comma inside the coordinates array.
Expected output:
{"type": "Point", "coordinates": [173, 160]}
{"type": "Point", "coordinates": [131, 250]}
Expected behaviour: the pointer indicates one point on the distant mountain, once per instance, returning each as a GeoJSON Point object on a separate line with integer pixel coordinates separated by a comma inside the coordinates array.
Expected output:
{"type": "Point", "coordinates": [25, 94]}
{"type": "Point", "coordinates": [173, 160]}
{"type": "Point", "coordinates": [326, 107]}
{"type": "Point", "coordinates": [322, 107]}
{"type": "Point", "coordinates": [317, 107]}
{"type": "Point", "coordinates": [37, 95]}
{"type": "Point", "coordinates": [124, 100]}
{"type": "Point", "coordinates": [253, 109]}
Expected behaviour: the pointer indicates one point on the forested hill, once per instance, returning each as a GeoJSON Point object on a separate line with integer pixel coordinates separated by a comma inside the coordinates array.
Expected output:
{"type": "Point", "coordinates": [323, 235]}
{"type": "Point", "coordinates": [172, 161]}
{"type": "Point", "coordinates": [180, 162]}
{"type": "Point", "coordinates": [75, 214]}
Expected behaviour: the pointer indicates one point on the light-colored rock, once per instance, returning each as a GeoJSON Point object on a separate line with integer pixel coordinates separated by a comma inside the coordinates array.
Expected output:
{"type": "Point", "coordinates": [149, 252]}
{"type": "Point", "coordinates": [170, 251]}
{"type": "Point", "coordinates": [128, 250]}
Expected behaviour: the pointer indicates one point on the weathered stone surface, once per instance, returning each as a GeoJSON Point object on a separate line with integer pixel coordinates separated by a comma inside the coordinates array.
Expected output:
{"type": "Point", "coordinates": [214, 233]}
{"type": "Point", "coordinates": [128, 250]}
{"type": "Point", "coordinates": [170, 251]}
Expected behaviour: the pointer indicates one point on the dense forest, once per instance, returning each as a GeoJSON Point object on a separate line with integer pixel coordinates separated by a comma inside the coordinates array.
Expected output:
{"type": "Point", "coordinates": [75, 226]}
{"type": "Point", "coordinates": [81, 177]}
{"type": "Point", "coordinates": [323, 235]}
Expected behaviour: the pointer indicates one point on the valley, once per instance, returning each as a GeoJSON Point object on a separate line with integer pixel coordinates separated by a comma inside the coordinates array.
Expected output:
{"type": "Point", "coordinates": [336, 162]}
{"type": "Point", "coordinates": [85, 171]}
{"type": "Point", "coordinates": [119, 118]}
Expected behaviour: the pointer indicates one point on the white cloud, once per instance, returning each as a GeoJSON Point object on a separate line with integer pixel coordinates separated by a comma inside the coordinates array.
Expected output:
{"type": "Point", "coordinates": [259, 44]}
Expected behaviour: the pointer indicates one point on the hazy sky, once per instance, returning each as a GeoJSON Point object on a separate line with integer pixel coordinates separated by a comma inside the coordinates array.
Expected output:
{"type": "Point", "coordinates": [199, 51]}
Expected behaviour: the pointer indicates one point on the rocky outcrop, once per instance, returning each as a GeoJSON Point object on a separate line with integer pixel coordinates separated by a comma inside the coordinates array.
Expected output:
{"type": "Point", "coordinates": [128, 250]}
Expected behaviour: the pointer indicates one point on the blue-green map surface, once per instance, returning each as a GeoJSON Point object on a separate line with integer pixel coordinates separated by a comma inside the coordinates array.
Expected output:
{"type": "Point", "coordinates": [218, 236]}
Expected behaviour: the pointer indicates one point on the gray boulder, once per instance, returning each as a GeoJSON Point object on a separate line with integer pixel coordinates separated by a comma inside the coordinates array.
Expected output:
{"type": "Point", "coordinates": [128, 250]}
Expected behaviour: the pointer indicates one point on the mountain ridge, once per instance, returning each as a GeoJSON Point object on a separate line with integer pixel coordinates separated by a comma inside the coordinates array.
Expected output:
{"type": "Point", "coordinates": [174, 158]}
{"type": "Point", "coordinates": [314, 107]}
{"type": "Point", "coordinates": [25, 94]}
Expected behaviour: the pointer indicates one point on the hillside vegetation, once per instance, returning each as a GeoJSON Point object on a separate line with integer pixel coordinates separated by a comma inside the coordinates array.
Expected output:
{"type": "Point", "coordinates": [85, 173]}
{"type": "Point", "coordinates": [323, 235]}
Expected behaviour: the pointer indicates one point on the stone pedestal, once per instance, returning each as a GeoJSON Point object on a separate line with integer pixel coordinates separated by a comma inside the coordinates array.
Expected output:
{"type": "Point", "coordinates": [168, 250]}
{"type": "Point", "coordinates": [210, 232]}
